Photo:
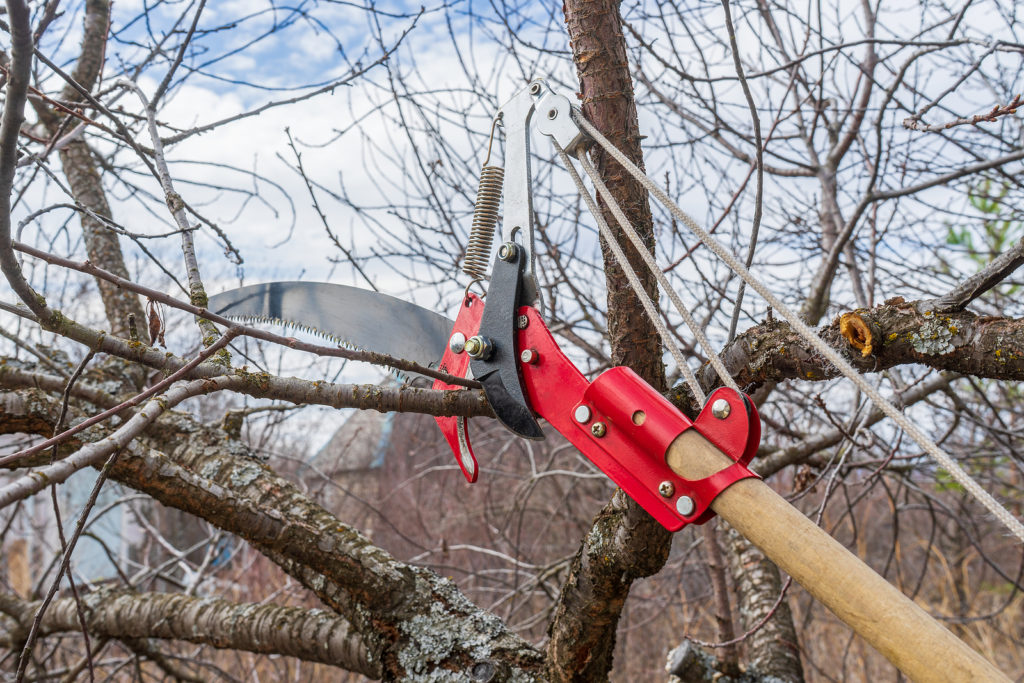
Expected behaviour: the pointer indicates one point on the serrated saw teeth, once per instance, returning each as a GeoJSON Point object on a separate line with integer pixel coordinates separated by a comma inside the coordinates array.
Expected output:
{"type": "Point", "coordinates": [401, 376]}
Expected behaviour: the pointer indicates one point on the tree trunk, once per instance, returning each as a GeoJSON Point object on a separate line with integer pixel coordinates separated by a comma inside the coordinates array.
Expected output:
{"type": "Point", "coordinates": [80, 167]}
{"type": "Point", "coordinates": [773, 650]}
{"type": "Point", "coordinates": [624, 543]}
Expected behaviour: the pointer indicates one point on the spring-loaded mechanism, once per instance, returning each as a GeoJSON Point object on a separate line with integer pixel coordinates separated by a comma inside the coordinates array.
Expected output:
{"type": "Point", "coordinates": [485, 217]}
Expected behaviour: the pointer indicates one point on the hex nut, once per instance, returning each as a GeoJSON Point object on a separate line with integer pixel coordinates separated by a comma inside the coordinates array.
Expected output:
{"type": "Point", "coordinates": [479, 347]}
{"type": "Point", "coordinates": [508, 251]}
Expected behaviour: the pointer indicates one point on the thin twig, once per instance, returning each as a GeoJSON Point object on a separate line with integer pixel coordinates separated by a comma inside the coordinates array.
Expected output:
{"type": "Point", "coordinates": [914, 123]}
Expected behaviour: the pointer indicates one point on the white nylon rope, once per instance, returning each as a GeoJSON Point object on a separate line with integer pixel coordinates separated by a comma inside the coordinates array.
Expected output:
{"type": "Point", "coordinates": [648, 258]}
{"type": "Point", "coordinates": [841, 364]}
{"type": "Point", "coordinates": [631, 275]}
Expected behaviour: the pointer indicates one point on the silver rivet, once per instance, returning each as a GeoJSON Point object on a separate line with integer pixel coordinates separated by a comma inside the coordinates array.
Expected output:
{"type": "Point", "coordinates": [685, 506]}
{"type": "Point", "coordinates": [522, 322]}
{"type": "Point", "coordinates": [534, 88]}
{"type": "Point", "coordinates": [598, 429]}
{"type": "Point", "coordinates": [552, 113]}
{"type": "Point", "coordinates": [508, 251]}
{"type": "Point", "coordinates": [529, 356]}
{"type": "Point", "coordinates": [479, 348]}
{"type": "Point", "coordinates": [457, 343]}
{"type": "Point", "coordinates": [666, 489]}
{"type": "Point", "coordinates": [721, 409]}
{"type": "Point", "coordinates": [582, 414]}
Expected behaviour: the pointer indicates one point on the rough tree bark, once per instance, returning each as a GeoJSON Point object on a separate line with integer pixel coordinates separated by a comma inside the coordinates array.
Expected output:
{"type": "Point", "coordinates": [773, 651]}
{"type": "Point", "coordinates": [894, 333]}
{"type": "Point", "coordinates": [624, 543]}
{"type": "Point", "coordinates": [412, 621]}
{"type": "Point", "coordinates": [310, 635]}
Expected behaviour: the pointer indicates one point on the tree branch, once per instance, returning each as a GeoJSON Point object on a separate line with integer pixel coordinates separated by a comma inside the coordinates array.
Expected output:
{"type": "Point", "coordinates": [311, 635]}
{"type": "Point", "coordinates": [895, 333]}
{"type": "Point", "coordinates": [985, 279]}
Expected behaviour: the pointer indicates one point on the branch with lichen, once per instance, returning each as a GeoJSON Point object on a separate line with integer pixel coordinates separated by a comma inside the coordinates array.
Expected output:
{"type": "Point", "coordinates": [310, 635]}
{"type": "Point", "coordinates": [895, 333]}
{"type": "Point", "coordinates": [393, 605]}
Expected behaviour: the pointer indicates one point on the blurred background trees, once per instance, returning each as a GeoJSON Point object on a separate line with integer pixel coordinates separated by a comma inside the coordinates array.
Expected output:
{"type": "Point", "coordinates": [863, 158]}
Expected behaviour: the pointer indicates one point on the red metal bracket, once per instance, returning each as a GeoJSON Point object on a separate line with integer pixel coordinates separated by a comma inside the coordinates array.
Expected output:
{"type": "Point", "coordinates": [625, 428]}
{"type": "Point", "coordinates": [456, 429]}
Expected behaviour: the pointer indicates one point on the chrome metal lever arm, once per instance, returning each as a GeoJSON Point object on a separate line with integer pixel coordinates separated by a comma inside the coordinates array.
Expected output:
{"type": "Point", "coordinates": [554, 119]}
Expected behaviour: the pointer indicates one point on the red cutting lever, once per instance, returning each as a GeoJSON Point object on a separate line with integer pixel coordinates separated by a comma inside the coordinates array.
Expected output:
{"type": "Point", "coordinates": [618, 421]}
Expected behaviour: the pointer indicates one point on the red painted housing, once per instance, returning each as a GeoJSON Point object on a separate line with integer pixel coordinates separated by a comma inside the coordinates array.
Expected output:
{"type": "Point", "coordinates": [618, 421]}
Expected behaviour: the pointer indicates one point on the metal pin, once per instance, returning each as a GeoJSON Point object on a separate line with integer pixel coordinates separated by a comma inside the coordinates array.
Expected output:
{"type": "Point", "coordinates": [582, 414]}
{"type": "Point", "coordinates": [457, 343]}
{"type": "Point", "coordinates": [721, 409]}
{"type": "Point", "coordinates": [529, 356]}
{"type": "Point", "coordinates": [685, 506]}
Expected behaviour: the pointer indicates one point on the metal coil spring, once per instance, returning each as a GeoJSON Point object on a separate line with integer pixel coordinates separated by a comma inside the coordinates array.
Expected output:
{"type": "Point", "coordinates": [485, 220]}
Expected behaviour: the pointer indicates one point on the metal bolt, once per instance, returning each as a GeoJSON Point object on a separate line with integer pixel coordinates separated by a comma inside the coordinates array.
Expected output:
{"type": "Point", "coordinates": [666, 489]}
{"type": "Point", "coordinates": [582, 414]}
{"type": "Point", "coordinates": [457, 343]}
{"type": "Point", "coordinates": [685, 506]}
{"type": "Point", "coordinates": [479, 348]}
{"type": "Point", "coordinates": [508, 251]}
{"type": "Point", "coordinates": [529, 356]}
{"type": "Point", "coordinates": [598, 429]}
{"type": "Point", "coordinates": [522, 322]}
{"type": "Point", "coordinates": [721, 409]}
{"type": "Point", "coordinates": [534, 88]}
{"type": "Point", "coordinates": [552, 113]}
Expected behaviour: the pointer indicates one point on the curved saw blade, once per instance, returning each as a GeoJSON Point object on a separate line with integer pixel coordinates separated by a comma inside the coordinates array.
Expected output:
{"type": "Point", "coordinates": [357, 317]}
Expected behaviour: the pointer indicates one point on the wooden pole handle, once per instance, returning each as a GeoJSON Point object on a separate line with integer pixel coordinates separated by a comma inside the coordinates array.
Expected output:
{"type": "Point", "coordinates": [892, 623]}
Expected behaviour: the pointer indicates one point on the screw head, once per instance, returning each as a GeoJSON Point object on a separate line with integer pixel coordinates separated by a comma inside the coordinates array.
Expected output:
{"type": "Point", "coordinates": [582, 414]}
{"type": "Point", "coordinates": [721, 409]}
{"type": "Point", "coordinates": [666, 489]}
{"type": "Point", "coordinates": [479, 347]}
{"type": "Point", "coordinates": [598, 429]}
{"type": "Point", "coordinates": [508, 251]}
{"type": "Point", "coordinates": [529, 356]}
{"type": "Point", "coordinates": [522, 322]}
{"type": "Point", "coordinates": [457, 343]}
{"type": "Point", "coordinates": [685, 506]}
{"type": "Point", "coordinates": [552, 114]}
